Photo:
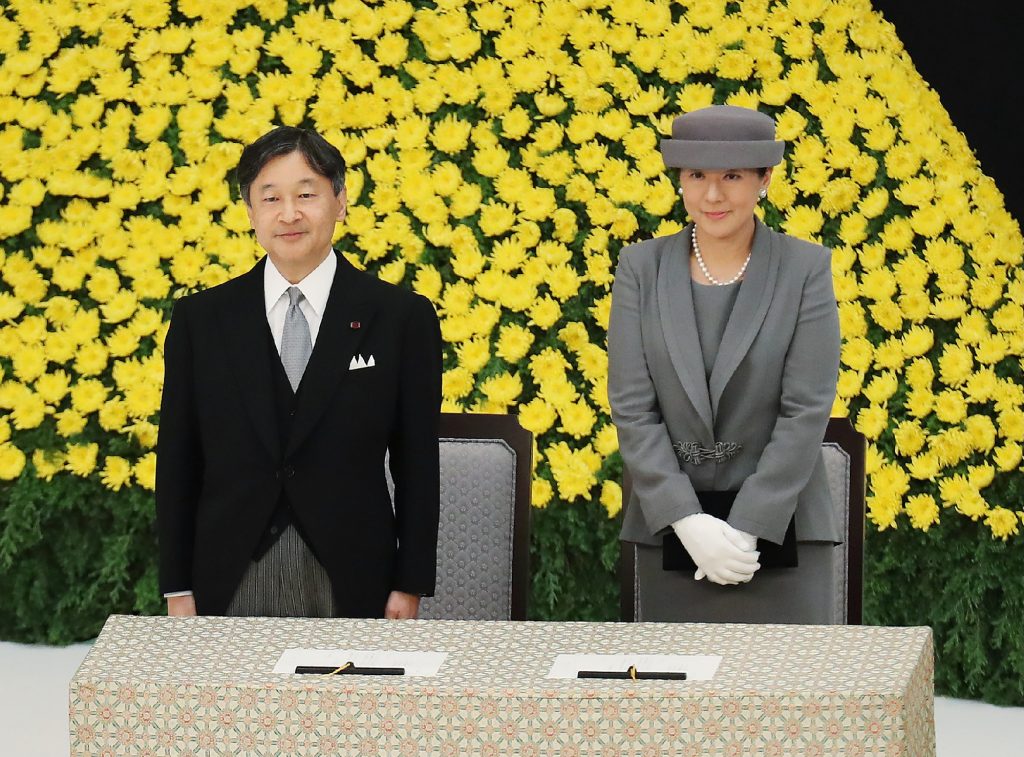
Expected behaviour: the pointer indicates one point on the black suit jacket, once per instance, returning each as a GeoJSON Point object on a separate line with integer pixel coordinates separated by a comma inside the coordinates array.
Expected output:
{"type": "Point", "coordinates": [222, 465]}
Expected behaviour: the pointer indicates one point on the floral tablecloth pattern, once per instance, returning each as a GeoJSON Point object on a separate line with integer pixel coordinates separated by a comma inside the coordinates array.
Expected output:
{"type": "Point", "coordinates": [203, 686]}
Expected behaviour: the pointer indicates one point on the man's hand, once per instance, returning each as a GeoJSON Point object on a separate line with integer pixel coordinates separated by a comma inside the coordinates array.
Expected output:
{"type": "Point", "coordinates": [402, 606]}
{"type": "Point", "coordinates": [182, 607]}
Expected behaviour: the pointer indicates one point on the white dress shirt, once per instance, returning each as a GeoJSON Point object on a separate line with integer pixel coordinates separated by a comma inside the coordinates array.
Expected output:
{"type": "Point", "coordinates": [315, 288]}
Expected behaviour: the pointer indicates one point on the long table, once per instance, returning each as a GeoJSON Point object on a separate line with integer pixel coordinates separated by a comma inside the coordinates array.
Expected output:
{"type": "Point", "coordinates": [204, 686]}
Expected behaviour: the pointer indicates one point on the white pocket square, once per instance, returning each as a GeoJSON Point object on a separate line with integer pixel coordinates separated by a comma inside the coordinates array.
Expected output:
{"type": "Point", "coordinates": [358, 362]}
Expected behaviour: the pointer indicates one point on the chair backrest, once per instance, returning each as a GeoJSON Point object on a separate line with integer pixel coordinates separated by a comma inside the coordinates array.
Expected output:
{"type": "Point", "coordinates": [843, 449]}
{"type": "Point", "coordinates": [483, 541]}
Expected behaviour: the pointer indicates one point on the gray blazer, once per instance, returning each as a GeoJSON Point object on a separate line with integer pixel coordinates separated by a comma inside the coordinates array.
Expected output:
{"type": "Point", "coordinates": [770, 391]}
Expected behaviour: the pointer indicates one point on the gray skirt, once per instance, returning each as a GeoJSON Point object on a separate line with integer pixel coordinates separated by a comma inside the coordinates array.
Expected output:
{"type": "Point", "coordinates": [807, 594]}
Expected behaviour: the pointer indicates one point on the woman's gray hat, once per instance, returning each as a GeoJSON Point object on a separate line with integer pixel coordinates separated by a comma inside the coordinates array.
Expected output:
{"type": "Point", "coordinates": [720, 137]}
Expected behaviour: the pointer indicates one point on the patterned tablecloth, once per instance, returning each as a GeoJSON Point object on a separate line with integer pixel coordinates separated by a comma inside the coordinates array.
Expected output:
{"type": "Point", "coordinates": [203, 686]}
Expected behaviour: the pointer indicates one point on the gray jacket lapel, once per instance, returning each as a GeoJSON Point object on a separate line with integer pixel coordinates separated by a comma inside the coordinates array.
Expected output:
{"type": "Point", "coordinates": [748, 313]}
{"type": "Point", "coordinates": [675, 305]}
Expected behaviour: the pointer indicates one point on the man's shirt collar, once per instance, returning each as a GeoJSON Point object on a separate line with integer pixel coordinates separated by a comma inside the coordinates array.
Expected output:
{"type": "Point", "coordinates": [316, 287]}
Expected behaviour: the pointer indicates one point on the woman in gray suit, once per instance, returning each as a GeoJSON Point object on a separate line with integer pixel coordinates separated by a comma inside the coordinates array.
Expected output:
{"type": "Point", "coordinates": [723, 357]}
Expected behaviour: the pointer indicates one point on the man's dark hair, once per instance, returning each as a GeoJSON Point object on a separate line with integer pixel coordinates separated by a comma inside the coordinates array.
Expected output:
{"type": "Point", "coordinates": [321, 155]}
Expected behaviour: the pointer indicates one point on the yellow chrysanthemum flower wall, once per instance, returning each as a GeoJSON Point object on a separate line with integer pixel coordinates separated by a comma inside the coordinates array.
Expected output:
{"type": "Point", "coordinates": [501, 154]}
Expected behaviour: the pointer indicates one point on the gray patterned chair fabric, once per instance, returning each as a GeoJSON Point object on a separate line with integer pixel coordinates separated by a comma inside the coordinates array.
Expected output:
{"type": "Point", "coordinates": [483, 537]}
{"type": "Point", "coordinates": [843, 449]}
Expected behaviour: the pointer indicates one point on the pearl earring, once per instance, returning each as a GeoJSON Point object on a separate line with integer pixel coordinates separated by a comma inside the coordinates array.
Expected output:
{"type": "Point", "coordinates": [680, 191]}
{"type": "Point", "coordinates": [763, 193]}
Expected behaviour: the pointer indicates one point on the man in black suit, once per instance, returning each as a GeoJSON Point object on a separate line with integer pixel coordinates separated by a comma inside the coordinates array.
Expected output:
{"type": "Point", "coordinates": [284, 389]}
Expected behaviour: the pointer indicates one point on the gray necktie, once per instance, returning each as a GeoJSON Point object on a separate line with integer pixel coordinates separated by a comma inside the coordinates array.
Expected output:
{"type": "Point", "coordinates": [295, 342]}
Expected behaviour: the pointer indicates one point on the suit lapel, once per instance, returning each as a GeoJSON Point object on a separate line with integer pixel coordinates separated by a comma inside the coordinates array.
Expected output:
{"type": "Point", "coordinates": [336, 343]}
{"type": "Point", "coordinates": [675, 304]}
{"type": "Point", "coordinates": [748, 313]}
{"type": "Point", "coordinates": [246, 331]}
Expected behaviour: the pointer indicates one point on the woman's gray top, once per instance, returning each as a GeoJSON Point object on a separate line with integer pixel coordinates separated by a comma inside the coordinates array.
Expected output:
{"type": "Point", "coordinates": [712, 305]}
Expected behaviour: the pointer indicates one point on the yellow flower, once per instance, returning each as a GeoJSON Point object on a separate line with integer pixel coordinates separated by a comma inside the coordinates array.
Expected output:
{"type": "Point", "coordinates": [502, 389]}
{"type": "Point", "coordinates": [47, 463]}
{"type": "Point", "coordinates": [601, 310]}
{"type": "Point", "coordinates": [881, 387]}
{"type": "Point", "coordinates": [516, 123]}
{"type": "Point", "coordinates": [944, 255]}
{"type": "Point", "coordinates": [1007, 456]}
{"type": "Point", "coordinates": [882, 511]}
{"type": "Point", "coordinates": [1011, 424]}
{"type": "Point", "coordinates": [924, 467]}
{"type": "Point", "coordinates": [992, 348]}
{"type": "Point", "coordinates": [456, 383]}
{"type": "Point", "coordinates": [496, 218]}
{"type": "Point", "coordinates": [915, 305]}
{"type": "Point", "coordinates": [950, 406]}
{"type": "Point", "coordinates": [920, 402]}
{"type": "Point", "coordinates": [981, 385]}
{"type": "Point", "coordinates": [949, 308]}
{"type": "Point", "coordinates": [12, 461]}
{"type": "Point", "coordinates": [81, 458]}
{"type": "Point", "coordinates": [849, 383]}
{"type": "Point", "coordinates": [606, 440]}
{"type": "Point", "coordinates": [857, 353]}
{"type": "Point", "coordinates": [145, 471]}
{"type": "Point", "coordinates": [514, 341]}
{"type": "Point", "coordinates": [803, 221]}
{"type": "Point", "coordinates": [973, 506]}
{"type": "Point", "coordinates": [871, 421]}
{"type": "Point", "coordinates": [917, 341]}
{"type": "Point", "coordinates": [923, 511]}
{"type": "Point", "coordinates": [28, 410]}
{"type": "Point", "coordinates": [29, 362]}
{"type": "Point", "coordinates": [853, 229]}
{"type": "Point", "coordinates": [117, 472]}
{"type": "Point", "coordinates": [982, 432]}
{"type": "Point", "coordinates": [874, 203]}
{"type": "Point", "coordinates": [909, 437]}
{"type": "Point", "coordinates": [545, 312]}
{"type": "Point", "coordinates": [142, 400]}
{"type": "Point", "coordinates": [956, 364]}
{"type": "Point", "coordinates": [573, 469]}
{"type": "Point", "coordinates": [113, 415]}
{"type": "Point", "coordinates": [887, 314]}
{"type": "Point", "coordinates": [88, 395]}
{"type": "Point", "coordinates": [981, 475]}
{"type": "Point", "coordinates": [536, 416]}
{"type": "Point", "coordinates": [902, 160]}
{"type": "Point", "coordinates": [541, 492]}
{"type": "Point", "coordinates": [1003, 523]}
{"type": "Point", "coordinates": [473, 354]}
{"type": "Point", "coordinates": [611, 497]}
{"type": "Point", "coordinates": [577, 419]}
{"type": "Point", "coordinates": [70, 423]}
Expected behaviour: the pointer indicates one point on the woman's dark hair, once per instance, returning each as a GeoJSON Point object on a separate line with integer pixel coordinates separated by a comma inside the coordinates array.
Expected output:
{"type": "Point", "coordinates": [321, 155]}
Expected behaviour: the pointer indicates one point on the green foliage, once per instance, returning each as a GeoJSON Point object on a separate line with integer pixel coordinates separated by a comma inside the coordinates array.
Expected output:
{"type": "Point", "coordinates": [71, 553]}
{"type": "Point", "coordinates": [965, 585]}
{"type": "Point", "coordinates": [573, 560]}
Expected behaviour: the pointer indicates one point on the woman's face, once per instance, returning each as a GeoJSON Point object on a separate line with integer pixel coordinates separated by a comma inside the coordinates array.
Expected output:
{"type": "Point", "coordinates": [721, 202]}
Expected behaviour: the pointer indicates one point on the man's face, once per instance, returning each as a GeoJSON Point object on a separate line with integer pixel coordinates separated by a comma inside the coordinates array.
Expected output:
{"type": "Point", "coordinates": [293, 210]}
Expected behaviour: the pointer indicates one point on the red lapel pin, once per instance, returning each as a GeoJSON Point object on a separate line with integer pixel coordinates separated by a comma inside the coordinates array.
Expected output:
{"type": "Point", "coordinates": [354, 325]}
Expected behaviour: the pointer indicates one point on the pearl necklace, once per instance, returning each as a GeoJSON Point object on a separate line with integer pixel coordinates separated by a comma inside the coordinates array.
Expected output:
{"type": "Point", "coordinates": [704, 268]}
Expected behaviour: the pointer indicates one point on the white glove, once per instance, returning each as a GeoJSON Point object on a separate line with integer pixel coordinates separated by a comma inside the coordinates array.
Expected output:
{"type": "Point", "coordinates": [743, 540]}
{"type": "Point", "coordinates": [716, 548]}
